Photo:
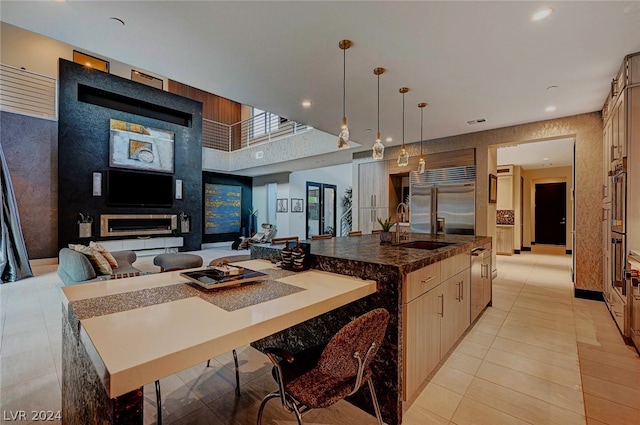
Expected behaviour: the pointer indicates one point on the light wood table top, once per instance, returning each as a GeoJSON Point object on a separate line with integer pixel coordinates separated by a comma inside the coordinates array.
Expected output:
{"type": "Point", "coordinates": [135, 347]}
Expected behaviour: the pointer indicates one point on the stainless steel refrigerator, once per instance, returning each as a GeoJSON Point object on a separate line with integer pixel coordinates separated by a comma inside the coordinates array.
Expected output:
{"type": "Point", "coordinates": [444, 197]}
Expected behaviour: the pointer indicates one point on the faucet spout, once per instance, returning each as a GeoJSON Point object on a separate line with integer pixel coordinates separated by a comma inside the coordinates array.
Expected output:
{"type": "Point", "coordinates": [401, 212]}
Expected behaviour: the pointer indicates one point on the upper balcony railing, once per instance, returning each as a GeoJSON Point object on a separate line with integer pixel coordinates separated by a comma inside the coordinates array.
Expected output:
{"type": "Point", "coordinates": [261, 128]}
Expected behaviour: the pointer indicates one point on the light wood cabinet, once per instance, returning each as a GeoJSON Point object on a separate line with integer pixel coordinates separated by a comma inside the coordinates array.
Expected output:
{"type": "Point", "coordinates": [436, 314]}
{"type": "Point", "coordinates": [456, 311]}
{"type": "Point", "coordinates": [422, 347]}
{"type": "Point", "coordinates": [373, 195]}
{"type": "Point", "coordinates": [504, 200]}
{"type": "Point", "coordinates": [504, 239]}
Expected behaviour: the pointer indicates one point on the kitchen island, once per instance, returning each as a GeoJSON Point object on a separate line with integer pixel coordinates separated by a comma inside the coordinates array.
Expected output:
{"type": "Point", "coordinates": [121, 334]}
{"type": "Point", "coordinates": [419, 287]}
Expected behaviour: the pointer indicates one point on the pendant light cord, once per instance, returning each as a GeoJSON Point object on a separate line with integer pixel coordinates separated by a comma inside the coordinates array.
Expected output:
{"type": "Point", "coordinates": [421, 115]}
{"type": "Point", "coordinates": [344, 82]}
{"type": "Point", "coordinates": [378, 103]}
{"type": "Point", "coordinates": [403, 120]}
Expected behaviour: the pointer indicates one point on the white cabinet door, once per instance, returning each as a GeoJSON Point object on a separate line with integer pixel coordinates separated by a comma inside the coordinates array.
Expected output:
{"type": "Point", "coordinates": [504, 199]}
{"type": "Point", "coordinates": [373, 185]}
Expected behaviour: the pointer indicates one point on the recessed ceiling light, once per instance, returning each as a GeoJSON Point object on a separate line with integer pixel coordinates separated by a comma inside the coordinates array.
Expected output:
{"type": "Point", "coordinates": [546, 158]}
{"type": "Point", "coordinates": [388, 139]}
{"type": "Point", "coordinates": [306, 103]}
{"type": "Point", "coordinates": [550, 108]}
{"type": "Point", "coordinates": [541, 14]}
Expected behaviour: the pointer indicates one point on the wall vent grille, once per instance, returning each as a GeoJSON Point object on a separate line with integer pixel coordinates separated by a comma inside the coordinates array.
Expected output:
{"type": "Point", "coordinates": [27, 93]}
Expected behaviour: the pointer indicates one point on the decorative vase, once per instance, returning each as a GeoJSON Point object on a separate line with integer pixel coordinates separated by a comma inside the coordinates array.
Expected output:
{"type": "Point", "coordinates": [386, 237]}
{"type": "Point", "coordinates": [252, 224]}
{"type": "Point", "coordinates": [297, 257]}
{"type": "Point", "coordinates": [286, 257]}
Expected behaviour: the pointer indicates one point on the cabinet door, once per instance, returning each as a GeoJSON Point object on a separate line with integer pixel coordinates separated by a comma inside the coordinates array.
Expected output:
{"type": "Point", "coordinates": [606, 154]}
{"type": "Point", "coordinates": [373, 184]}
{"type": "Point", "coordinates": [449, 311]}
{"type": "Point", "coordinates": [422, 345]}
{"type": "Point", "coordinates": [606, 249]}
{"type": "Point", "coordinates": [622, 126]}
{"type": "Point", "coordinates": [504, 200]}
{"type": "Point", "coordinates": [368, 218]}
{"type": "Point", "coordinates": [487, 283]}
{"type": "Point", "coordinates": [463, 309]}
{"type": "Point", "coordinates": [421, 281]}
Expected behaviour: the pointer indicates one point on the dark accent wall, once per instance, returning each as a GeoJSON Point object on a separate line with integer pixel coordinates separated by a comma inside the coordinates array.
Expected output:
{"type": "Point", "coordinates": [30, 146]}
{"type": "Point", "coordinates": [83, 148]}
{"type": "Point", "coordinates": [247, 203]}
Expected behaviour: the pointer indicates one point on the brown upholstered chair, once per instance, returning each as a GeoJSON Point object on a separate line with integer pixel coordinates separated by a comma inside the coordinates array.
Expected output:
{"type": "Point", "coordinates": [321, 376]}
{"type": "Point", "coordinates": [317, 237]}
{"type": "Point", "coordinates": [355, 233]}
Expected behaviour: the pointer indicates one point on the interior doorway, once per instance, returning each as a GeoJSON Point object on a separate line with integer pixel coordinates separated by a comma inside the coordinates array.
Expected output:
{"type": "Point", "coordinates": [551, 213]}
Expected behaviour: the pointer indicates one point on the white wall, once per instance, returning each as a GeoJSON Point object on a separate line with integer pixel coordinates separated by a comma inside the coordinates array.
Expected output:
{"type": "Point", "coordinates": [294, 185]}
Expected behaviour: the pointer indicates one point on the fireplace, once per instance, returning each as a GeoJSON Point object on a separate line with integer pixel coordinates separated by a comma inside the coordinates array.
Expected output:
{"type": "Point", "coordinates": [137, 224]}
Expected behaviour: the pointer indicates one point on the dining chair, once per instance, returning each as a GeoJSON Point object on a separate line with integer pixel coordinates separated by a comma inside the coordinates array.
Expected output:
{"type": "Point", "coordinates": [284, 239]}
{"type": "Point", "coordinates": [317, 237]}
{"type": "Point", "coordinates": [323, 375]}
{"type": "Point", "coordinates": [355, 233]}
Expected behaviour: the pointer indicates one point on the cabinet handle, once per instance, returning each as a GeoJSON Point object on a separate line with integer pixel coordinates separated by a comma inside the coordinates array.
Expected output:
{"type": "Point", "coordinates": [617, 313]}
{"type": "Point", "coordinates": [371, 200]}
{"type": "Point", "coordinates": [441, 313]}
{"type": "Point", "coordinates": [458, 289]}
{"type": "Point", "coordinates": [461, 290]}
{"type": "Point", "coordinates": [427, 280]}
{"type": "Point", "coordinates": [375, 200]}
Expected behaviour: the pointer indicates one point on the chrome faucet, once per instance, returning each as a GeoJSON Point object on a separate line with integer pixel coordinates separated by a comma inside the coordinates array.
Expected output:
{"type": "Point", "coordinates": [401, 211]}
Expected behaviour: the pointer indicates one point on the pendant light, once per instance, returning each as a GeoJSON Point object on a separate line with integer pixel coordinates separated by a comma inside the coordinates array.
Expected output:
{"type": "Point", "coordinates": [343, 137]}
{"type": "Point", "coordinates": [403, 158]}
{"type": "Point", "coordinates": [421, 163]}
{"type": "Point", "coordinates": [378, 147]}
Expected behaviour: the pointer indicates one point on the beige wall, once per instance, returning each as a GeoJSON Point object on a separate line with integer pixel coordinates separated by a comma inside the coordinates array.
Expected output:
{"type": "Point", "coordinates": [25, 49]}
{"type": "Point", "coordinates": [586, 129]}
{"type": "Point", "coordinates": [545, 175]}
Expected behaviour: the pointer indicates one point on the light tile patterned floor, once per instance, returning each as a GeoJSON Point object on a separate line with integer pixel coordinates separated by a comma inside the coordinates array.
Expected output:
{"type": "Point", "coordinates": [538, 356]}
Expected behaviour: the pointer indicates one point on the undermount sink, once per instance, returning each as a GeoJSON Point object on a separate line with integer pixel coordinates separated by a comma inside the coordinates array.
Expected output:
{"type": "Point", "coordinates": [425, 245]}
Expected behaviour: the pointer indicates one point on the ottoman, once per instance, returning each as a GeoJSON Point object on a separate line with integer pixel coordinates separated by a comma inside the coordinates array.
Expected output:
{"type": "Point", "coordinates": [170, 262]}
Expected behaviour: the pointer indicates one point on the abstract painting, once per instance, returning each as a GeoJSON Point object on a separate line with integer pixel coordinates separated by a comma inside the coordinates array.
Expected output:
{"type": "Point", "coordinates": [140, 148]}
{"type": "Point", "coordinates": [222, 208]}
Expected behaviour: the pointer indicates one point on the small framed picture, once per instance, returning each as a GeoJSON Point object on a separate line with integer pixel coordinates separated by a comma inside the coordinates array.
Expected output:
{"type": "Point", "coordinates": [493, 189]}
{"type": "Point", "coordinates": [282, 205]}
{"type": "Point", "coordinates": [297, 205]}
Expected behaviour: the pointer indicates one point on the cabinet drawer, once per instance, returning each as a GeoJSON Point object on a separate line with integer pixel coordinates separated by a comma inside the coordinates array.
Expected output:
{"type": "Point", "coordinates": [454, 265]}
{"type": "Point", "coordinates": [420, 281]}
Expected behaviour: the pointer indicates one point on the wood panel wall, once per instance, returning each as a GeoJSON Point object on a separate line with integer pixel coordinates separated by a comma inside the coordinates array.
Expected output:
{"type": "Point", "coordinates": [214, 107]}
{"type": "Point", "coordinates": [459, 158]}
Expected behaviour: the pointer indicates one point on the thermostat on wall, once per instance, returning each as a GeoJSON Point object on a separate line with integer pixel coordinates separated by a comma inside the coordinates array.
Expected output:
{"type": "Point", "coordinates": [178, 189]}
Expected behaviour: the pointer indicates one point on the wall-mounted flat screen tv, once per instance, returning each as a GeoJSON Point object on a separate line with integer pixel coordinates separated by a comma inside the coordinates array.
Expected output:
{"type": "Point", "coordinates": [136, 189]}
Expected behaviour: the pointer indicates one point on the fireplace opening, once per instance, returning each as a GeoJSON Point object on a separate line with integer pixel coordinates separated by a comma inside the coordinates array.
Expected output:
{"type": "Point", "coordinates": [137, 224]}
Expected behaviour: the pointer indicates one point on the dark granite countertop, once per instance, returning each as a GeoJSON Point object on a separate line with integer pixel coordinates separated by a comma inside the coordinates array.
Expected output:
{"type": "Point", "coordinates": [368, 249]}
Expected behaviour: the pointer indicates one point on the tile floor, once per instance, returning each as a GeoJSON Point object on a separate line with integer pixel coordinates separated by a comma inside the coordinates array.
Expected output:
{"type": "Point", "coordinates": [538, 356]}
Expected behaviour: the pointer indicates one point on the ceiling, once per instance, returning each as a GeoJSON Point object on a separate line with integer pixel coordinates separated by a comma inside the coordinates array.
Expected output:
{"type": "Point", "coordinates": [546, 154]}
{"type": "Point", "coordinates": [469, 60]}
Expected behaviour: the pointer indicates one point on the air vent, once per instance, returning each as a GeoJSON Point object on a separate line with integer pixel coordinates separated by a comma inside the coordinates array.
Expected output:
{"type": "Point", "coordinates": [478, 121]}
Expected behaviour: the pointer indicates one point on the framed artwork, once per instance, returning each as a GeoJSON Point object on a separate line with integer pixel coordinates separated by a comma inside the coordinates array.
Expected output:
{"type": "Point", "coordinates": [222, 208]}
{"type": "Point", "coordinates": [137, 147]}
{"type": "Point", "coordinates": [297, 205]}
{"type": "Point", "coordinates": [493, 189]}
{"type": "Point", "coordinates": [282, 205]}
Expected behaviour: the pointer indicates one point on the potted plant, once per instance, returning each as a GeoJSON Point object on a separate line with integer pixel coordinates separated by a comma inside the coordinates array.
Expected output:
{"type": "Point", "coordinates": [387, 224]}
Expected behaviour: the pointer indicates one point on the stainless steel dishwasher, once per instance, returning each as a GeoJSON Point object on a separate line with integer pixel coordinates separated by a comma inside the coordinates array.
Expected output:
{"type": "Point", "coordinates": [480, 280]}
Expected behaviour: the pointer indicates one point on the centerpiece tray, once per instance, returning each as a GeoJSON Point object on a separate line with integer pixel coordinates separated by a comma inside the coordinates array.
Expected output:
{"type": "Point", "coordinates": [212, 279]}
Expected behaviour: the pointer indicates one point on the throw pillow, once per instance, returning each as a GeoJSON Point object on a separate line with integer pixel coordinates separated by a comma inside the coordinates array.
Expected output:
{"type": "Point", "coordinates": [97, 260]}
{"type": "Point", "coordinates": [105, 253]}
